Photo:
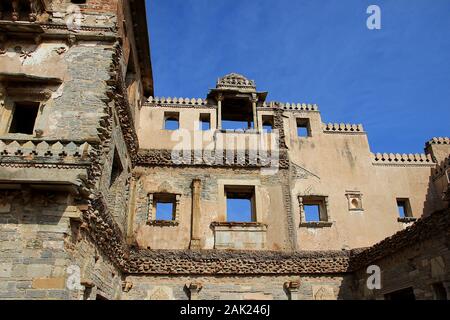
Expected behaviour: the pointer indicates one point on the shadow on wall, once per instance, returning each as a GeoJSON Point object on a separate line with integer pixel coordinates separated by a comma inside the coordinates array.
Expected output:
{"type": "Point", "coordinates": [433, 200]}
{"type": "Point", "coordinates": [28, 206]}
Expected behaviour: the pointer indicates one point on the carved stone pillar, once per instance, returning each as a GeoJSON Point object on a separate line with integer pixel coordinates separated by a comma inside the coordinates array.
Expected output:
{"type": "Point", "coordinates": [33, 10]}
{"type": "Point", "coordinates": [255, 116]}
{"type": "Point", "coordinates": [150, 208]}
{"type": "Point", "coordinates": [219, 111]}
{"type": "Point", "coordinates": [194, 288]}
{"type": "Point", "coordinates": [292, 288]}
{"type": "Point", "coordinates": [196, 214]}
{"type": "Point", "coordinates": [15, 10]}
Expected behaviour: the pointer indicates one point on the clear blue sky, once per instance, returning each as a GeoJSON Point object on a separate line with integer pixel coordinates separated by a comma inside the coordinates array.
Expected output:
{"type": "Point", "coordinates": [395, 81]}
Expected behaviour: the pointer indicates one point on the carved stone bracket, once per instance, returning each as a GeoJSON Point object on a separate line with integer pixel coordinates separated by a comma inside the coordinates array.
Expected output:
{"type": "Point", "coordinates": [194, 288]}
{"type": "Point", "coordinates": [292, 287]}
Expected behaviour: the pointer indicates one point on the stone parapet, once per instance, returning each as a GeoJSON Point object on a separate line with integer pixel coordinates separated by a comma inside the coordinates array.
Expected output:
{"type": "Point", "coordinates": [402, 159]}
{"type": "Point", "coordinates": [291, 106]}
{"type": "Point", "coordinates": [342, 128]}
{"type": "Point", "coordinates": [44, 151]}
{"type": "Point", "coordinates": [176, 102]}
{"type": "Point", "coordinates": [439, 140]}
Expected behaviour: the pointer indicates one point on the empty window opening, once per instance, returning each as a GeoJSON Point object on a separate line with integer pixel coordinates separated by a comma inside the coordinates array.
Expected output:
{"type": "Point", "coordinates": [171, 121]}
{"type": "Point", "coordinates": [165, 206]}
{"type": "Point", "coordinates": [439, 291]}
{"type": "Point", "coordinates": [237, 114]}
{"type": "Point", "coordinates": [24, 117]}
{"type": "Point", "coordinates": [117, 168]}
{"type": "Point", "coordinates": [267, 123]}
{"type": "Point", "coordinates": [303, 127]}
{"type": "Point", "coordinates": [404, 294]}
{"type": "Point", "coordinates": [404, 208]}
{"type": "Point", "coordinates": [312, 212]}
{"type": "Point", "coordinates": [240, 204]}
{"type": "Point", "coordinates": [314, 209]}
{"type": "Point", "coordinates": [205, 121]}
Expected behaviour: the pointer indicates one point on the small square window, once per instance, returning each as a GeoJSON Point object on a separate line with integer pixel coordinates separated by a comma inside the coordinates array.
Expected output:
{"type": "Point", "coordinates": [171, 121]}
{"type": "Point", "coordinates": [312, 212]}
{"type": "Point", "coordinates": [24, 117]}
{"type": "Point", "coordinates": [404, 209]}
{"type": "Point", "coordinates": [240, 204]}
{"type": "Point", "coordinates": [267, 123]}
{"type": "Point", "coordinates": [303, 127]}
{"type": "Point", "coordinates": [205, 121]}
{"type": "Point", "coordinates": [165, 211]}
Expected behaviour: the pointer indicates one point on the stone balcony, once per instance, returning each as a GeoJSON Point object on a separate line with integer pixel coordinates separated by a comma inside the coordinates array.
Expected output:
{"type": "Point", "coordinates": [21, 10]}
{"type": "Point", "coordinates": [44, 164]}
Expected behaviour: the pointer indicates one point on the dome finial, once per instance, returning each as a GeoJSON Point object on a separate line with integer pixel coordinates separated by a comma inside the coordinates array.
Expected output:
{"type": "Point", "coordinates": [235, 81]}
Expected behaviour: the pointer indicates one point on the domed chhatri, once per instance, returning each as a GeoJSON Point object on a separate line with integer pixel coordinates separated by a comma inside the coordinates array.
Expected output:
{"type": "Point", "coordinates": [235, 81]}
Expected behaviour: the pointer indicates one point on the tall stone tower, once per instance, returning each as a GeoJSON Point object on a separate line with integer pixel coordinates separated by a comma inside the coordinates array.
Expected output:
{"type": "Point", "coordinates": [72, 78]}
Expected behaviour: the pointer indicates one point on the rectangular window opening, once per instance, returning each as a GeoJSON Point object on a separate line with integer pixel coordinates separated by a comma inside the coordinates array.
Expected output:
{"type": "Point", "coordinates": [205, 121]}
{"type": "Point", "coordinates": [267, 123]}
{"type": "Point", "coordinates": [303, 127]}
{"type": "Point", "coordinates": [315, 209]}
{"type": "Point", "coordinates": [312, 212]}
{"type": "Point", "coordinates": [165, 206]}
{"type": "Point", "coordinates": [171, 121]}
{"type": "Point", "coordinates": [24, 117]}
{"type": "Point", "coordinates": [240, 204]}
{"type": "Point", "coordinates": [237, 114]}
{"type": "Point", "coordinates": [404, 208]}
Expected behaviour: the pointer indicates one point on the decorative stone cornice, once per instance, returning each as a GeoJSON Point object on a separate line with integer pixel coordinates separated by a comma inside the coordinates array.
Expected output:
{"type": "Point", "coordinates": [343, 128]}
{"type": "Point", "coordinates": [224, 262]}
{"type": "Point", "coordinates": [402, 159]}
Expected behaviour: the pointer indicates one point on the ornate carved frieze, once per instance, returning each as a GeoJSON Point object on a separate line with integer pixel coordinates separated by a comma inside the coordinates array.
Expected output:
{"type": "Point", "coordinates": [164, 157]}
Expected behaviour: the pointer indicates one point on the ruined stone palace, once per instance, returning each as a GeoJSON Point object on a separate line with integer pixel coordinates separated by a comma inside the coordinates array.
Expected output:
{"type": "Point", "coordinates": [108, 192]}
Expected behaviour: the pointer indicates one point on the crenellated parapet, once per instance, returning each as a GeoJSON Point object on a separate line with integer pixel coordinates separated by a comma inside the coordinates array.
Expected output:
{"type": "Point", "coordinates": [402, 159]}
{"type": "Point", "coordinates": [199, 102]}
{"type": "Point", "coordinates": [342, 128]}
{"type": "Point", "coordinates": [438, 140]}
{"type": "Point", "coordinates": [176, 102]}
{"type": "Point", "coordinates": [290, 106]}
{"type": "Point", "coordinates": [58, 152]}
